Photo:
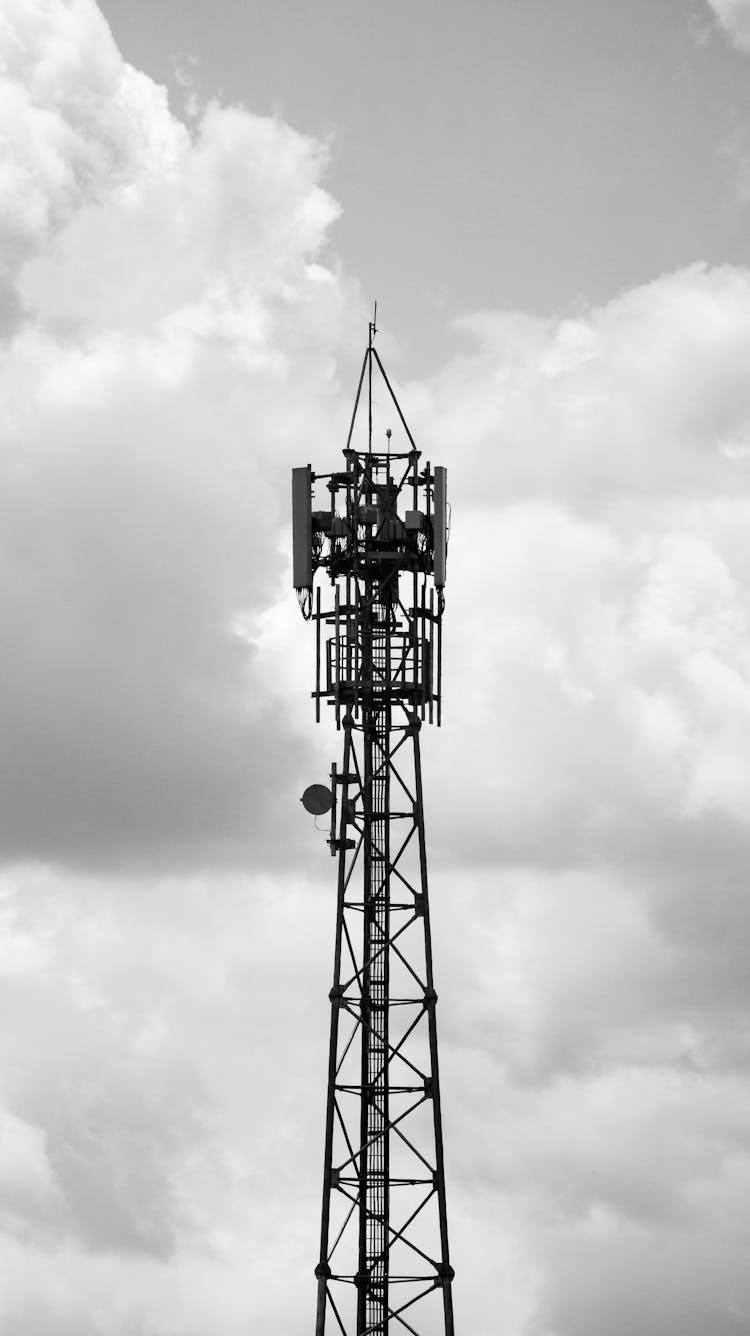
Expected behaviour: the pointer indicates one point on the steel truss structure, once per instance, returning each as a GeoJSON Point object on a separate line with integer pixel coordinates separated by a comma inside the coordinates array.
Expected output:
{"type": "Point", "coordinates": [381, 540]}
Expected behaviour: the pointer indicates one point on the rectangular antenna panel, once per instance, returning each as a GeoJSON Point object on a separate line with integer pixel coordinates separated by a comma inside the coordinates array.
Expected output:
{"type": "Point", "coordinates": [302, 527]}
{"type": "Point", "coordinates": [440, 524]}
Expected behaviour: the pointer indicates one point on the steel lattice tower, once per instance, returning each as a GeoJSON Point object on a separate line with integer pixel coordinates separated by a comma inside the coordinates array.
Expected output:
{"type": "Point", "coordinates": [382, 541]}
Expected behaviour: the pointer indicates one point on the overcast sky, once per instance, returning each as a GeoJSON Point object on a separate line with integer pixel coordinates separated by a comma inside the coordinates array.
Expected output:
{"type": "Point", "coordinates": [198, 205]}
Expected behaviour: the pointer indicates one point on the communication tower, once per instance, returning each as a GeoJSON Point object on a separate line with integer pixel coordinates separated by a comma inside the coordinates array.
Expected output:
{"type": "Point", "coordinates": [378, 530]}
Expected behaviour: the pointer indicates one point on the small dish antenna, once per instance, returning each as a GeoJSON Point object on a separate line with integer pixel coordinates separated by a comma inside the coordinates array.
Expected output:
{"type": "Point", "coordinates": [317, 799]}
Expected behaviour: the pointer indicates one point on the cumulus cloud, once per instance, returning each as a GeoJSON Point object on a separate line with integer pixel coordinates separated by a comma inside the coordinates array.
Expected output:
{"type": "Point", "coordinates": [79, 124]}
{"type": "Point", "coordinates": [158, 1154]}
{"type": "Point", "coordinates": [599, 584]}
{"type": "Point", "coordinates": [597, 670]}
{"type": "Point", "coordinates": [644, 396]}
{"type": "Point", "coordinates": [172, 346]}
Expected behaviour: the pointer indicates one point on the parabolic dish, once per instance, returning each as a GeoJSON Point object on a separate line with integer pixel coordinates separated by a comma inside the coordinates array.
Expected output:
{"type": "Point", "coordinates": [317, 799]}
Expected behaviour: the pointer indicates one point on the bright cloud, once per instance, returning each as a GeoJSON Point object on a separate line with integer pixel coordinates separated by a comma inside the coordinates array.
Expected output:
{"type": "Point", "coordinates": [646, 396]}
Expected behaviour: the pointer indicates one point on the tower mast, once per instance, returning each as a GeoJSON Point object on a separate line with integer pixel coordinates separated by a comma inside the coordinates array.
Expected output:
{"type": "Point", "coordinates": [381, 540]}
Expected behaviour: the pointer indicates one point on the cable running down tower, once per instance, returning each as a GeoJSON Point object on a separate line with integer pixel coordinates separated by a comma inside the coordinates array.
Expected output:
{"type": "Point", "coordinates": [381, 539]}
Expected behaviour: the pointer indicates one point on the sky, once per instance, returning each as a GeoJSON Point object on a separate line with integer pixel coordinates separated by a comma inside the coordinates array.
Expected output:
{"type": "Point", "coordinates": [198, 207]}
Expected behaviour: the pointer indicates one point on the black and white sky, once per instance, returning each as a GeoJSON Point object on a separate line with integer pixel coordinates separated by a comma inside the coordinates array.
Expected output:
{"type": "Point", "coordinates": [550, 201]}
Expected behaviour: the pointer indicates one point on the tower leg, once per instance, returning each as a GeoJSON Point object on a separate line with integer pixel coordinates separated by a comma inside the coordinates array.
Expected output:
{"type": "Point", "coordinates": [323, 1269]}
{"type": "Point", "coordinates": [446, 1269]}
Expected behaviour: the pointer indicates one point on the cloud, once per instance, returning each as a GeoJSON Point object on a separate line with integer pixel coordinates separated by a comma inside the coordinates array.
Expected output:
{"type": "Point", "coordinates": [594, 1075]}
{"type": "Point", "coordinates": [80, 125]}
{"type": "Point", "coordinates": [611, 656]}
{"type": "Point", "coordinates": [172, 349]}
{"type": "Point", "coordinates": [644, 396]}
{"type": "Point", "coordinates": [171, 345]}
{"type": "Point", "coordinates": [585, 802]}
{"type": "Point", "coordinates": [734, 17]}
{"type": "Point", "coordinates": [598, 584]}
{"type": "Point", "coordinates": [159, 1141]}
